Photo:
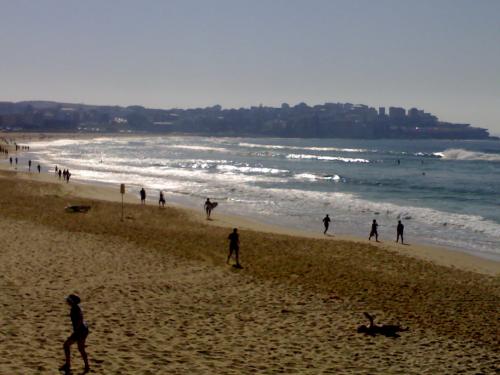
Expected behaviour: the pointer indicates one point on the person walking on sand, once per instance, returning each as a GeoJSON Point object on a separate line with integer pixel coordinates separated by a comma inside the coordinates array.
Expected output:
{"type": "Point", "coordinates": [234, 247]}
{"type": "Point", "coordinates": [374, 231]}
{"type": "Point", "coordinates": [59, 173]}
{"type": "Point", "coordinates": [326, 223]}
{"type": "Point", "coordinates": [29, 165]}
{"type": "Point", "coordinates": [16, 160]}
{"type": "Point", "coordinates": [399, 232]}
{"type": "Point", "coordinates": [161, 201]}
{"type": "Point", "coordinates": [143, 196]}
{"type": "Point", "coordinates": [68, 175]}
{"type": "Point", "coordinates": [10, 159]}
{"type": "Point", "coordinates": [208, 207]}
{"type": "Point", "coordinates": [39, 168]}
{"type": "Point", "coordinates": [79, 335]}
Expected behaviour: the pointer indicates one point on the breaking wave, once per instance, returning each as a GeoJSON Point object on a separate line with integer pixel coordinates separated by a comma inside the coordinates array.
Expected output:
{"type": "Point", "coordinates": [331, 158]}
{"type": "Point", "coordinates": [461, 154]}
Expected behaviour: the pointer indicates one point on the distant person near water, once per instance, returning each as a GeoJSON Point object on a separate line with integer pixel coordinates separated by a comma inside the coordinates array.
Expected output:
{"type": "Point", "coordinates": [400, 228]}
{"type": "Point", "coordinates": [39, 168]}
{"type": "Point", "coordinates": [10, 159]}
{"type": "Point", "coordinates": [79, 335]}
{"type": "Point", "coordinates": [29, 165]}
{"type": "Point", "coordinates": [374, 231]}
{"type": "Point", "coordinates": [59, 173]}
{"type": "Point", "coordinates": [161, 201]}
{"type": "Point", "coordinates": [326, 223]}
{"type": "Point", "coordinates": [209, 206]}
{"type": "Point", "coordinates": [234, 247]}
{"type": "Point", "coordinates": [143, 196]}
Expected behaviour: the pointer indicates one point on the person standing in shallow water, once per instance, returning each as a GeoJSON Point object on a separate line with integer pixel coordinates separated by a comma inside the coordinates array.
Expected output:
{"type": "Point", "coordinates": [374, 231]}
{"type": "Point", "coordinates": [399, 230]}
{"type": "Point", "coordinates": [143, 196]}
{"type": "Point", "coordinates": [79, 335]}
{"type": "Point", "coordinates": [326, 223]}
{"type": "Point", "coordinates": [234, 247]}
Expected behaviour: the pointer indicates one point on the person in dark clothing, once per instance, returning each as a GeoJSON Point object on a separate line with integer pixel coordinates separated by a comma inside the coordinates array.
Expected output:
{"type": "Point", "coordinates": [386, 330]}
{"type": "Point", "coordinates": [161, 201]}
{"type": "Point", "coordinates": [79, 335]}
{"type": "Point", "coordinates": [143, 196]}
{"type": "Point", "coordinates": [10, 159]}
{"type": "Point", "coordinates": [234, 246]}
{"type": "Point", "coordinates": [59, 173]}
{"type": "Point", "coordinates": [16, 160]}
{"type": "Point", "coordinates": [374, 231]}
{"type": "Point", "coordinates": [39, 168]}
{"type": "Point", "coordinates": [400, 228]}
{"type": "Point", "coordinates": [68, 175]}
{"type": "Point", "coordinates": [326, 223]}
{"type": "Point", "coordinates": [29, 165]}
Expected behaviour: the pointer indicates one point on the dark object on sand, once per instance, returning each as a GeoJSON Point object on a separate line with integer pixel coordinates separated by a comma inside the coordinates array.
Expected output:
{"type": "Point", "coordinates": [386, 330]}
{"type": "Point", "coordinates": [82, 209]}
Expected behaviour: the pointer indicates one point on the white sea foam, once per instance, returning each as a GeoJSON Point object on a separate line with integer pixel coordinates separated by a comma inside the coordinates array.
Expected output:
{"type": "Point", "coordinates": [314, 177]}
{"type": "Point", "coordinates": [247, 169]}
{"type": "Point", "coordinates": [461, 154]}
{"type": "Point", "coordinates": [199, 148]}
{"type": "Point", "coordinates": [331, 158]}
{"type": "Point", "coordinates": [281, 147]}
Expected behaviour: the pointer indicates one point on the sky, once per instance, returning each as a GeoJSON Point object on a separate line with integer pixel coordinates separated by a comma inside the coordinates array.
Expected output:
{"type": "Point", "coordinates": [442, 56]}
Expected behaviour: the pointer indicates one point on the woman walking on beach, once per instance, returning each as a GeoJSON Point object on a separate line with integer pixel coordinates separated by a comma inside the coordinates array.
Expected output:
{"type": "Point", "coordinates": [79, 335]}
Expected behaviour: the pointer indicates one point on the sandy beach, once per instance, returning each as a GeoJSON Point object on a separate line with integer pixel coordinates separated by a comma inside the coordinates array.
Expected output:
{"type": "Point", "coordinates": [160, 299]}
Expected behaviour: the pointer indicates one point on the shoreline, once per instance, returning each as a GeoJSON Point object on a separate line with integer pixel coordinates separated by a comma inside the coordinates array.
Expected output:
{"type": "Point", "coordinates": [439, 255]}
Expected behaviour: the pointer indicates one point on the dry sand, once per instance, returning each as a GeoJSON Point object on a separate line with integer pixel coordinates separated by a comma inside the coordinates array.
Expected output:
{"type": "Point", "coordinates": [159, 298]}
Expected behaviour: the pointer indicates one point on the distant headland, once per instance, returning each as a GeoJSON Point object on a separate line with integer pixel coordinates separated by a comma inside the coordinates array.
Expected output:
{"type": "Point", "coordinates": [329, 120]}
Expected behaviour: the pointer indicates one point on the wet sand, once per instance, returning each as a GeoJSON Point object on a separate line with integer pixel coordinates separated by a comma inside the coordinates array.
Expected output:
{"type": "Point", "coordinates": [160, 299]}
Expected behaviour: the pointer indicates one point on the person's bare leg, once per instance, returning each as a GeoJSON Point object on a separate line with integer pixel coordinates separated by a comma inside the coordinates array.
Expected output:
{"type": "Point", "coordinates": [81, 348]}
{"type": "Point", "coordinates": [67, 354]}
{"type": "Point", "coordinates": [229, 256]}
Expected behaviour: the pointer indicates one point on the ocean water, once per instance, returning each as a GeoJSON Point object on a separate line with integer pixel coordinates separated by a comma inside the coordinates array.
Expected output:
{"type": "Point", "coordinates": [445, 192]}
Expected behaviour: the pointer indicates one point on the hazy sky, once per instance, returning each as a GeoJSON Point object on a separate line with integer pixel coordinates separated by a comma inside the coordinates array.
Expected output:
{"type": "Point", "coordinates": [439, 55]}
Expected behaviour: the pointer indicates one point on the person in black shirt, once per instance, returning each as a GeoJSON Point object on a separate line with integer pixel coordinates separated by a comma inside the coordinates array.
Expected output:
{"type": "Point", "coordinates": [234, 246]}
{"type": "Point", "coordinates": [326, 223]}
{"type": "Point", "coordinates": [161, 201]}
{"type": "Point", "coordinates": [79, 335]}
{"type": "Point", "coordinates": [399, 230]}
{"type": "Point", "coordinates": [143, 196]}
{"type": "Point", "coordinates": [374, 231]}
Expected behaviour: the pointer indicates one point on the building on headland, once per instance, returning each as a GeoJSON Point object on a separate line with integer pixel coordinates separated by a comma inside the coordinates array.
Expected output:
{"type": "Point", "coordinates": [397, 113]}
{"type": "Point", "coordinates": [329, 120]}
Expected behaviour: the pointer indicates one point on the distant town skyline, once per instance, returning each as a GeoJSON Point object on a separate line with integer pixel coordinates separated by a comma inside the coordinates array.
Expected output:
{"type": "Point", "coordinates": [441, 56]}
